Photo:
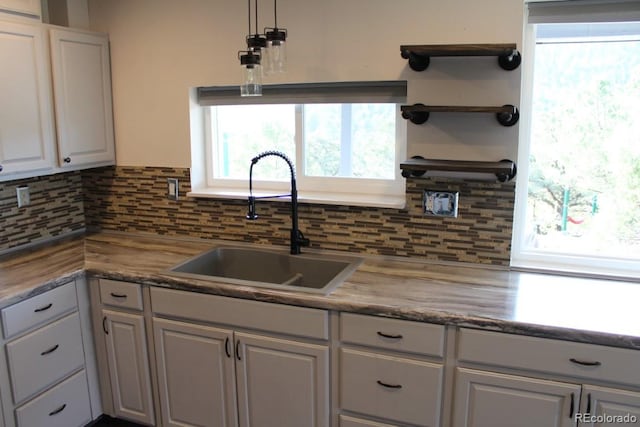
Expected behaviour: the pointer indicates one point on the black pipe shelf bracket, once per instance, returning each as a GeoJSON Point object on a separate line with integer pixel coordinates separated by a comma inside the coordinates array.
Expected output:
{"type": "Point", "coordinates": [417, 166]}
{"type": "Point", "coordinates": [507, 115]}
{"type": "Point", "coordinates": [419, 56]}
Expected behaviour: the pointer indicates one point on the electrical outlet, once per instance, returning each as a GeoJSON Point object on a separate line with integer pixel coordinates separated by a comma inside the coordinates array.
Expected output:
{"type": "Point", "coordinates": [172, 188]}
{"type": "Point", "coordinates": [440, 203]}
{"type": "Point", "coordinates": [24, 198]}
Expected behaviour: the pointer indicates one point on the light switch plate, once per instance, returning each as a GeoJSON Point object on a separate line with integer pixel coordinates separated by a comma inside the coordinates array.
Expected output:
{"type": "Point", "coordinates": [172, 188]}
{"type": "Point", "coordinates": [440, 203]}
{"type": "Point", "coordinates": [24, 198]}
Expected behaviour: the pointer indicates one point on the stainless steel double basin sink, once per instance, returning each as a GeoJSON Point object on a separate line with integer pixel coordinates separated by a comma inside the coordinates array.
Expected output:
{"type": "Point", "coordinates": [269, 268]}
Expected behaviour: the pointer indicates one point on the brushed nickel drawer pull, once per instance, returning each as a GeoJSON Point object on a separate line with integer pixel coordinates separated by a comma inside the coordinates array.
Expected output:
{"type": "Point", "coordinates": [118, 295]}
{"type": "Point", "coordinates": [396, 386]}
{"type": "Point", "coordinates": [393, 337]}
{"type": "Point", "coordinates": [57, 411]}
{"type": "Point", "coordinates": [44, 308]}
{"type": "Point", "coordinates": [585, 362]}
{"type": "Point", "coordinates": [51, 350]}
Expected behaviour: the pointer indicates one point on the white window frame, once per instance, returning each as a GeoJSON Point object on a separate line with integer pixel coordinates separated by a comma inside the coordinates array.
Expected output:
{"type": "Point", "coordinates": [385, 193]}
{"type": "Point", "coordinates": [523, 257]}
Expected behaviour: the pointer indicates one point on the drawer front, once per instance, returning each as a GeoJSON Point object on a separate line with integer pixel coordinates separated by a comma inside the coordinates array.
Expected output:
{"type": "Point", "coordinates": [278, 318]}
{"type": "Point", "coordinates": [346, 421]}
{"type": "Point", "coordinates": [39, 309]}
{"type": "Point", "coordinates": [41, 358]}
{"type": "Point", "coordinates": [121, 294]}
{"type": "Point", "coordinates": [392, 388]}
{"type": "Point", "coordinates": [392, 334]}
{"type": "Point", "coordinates": [65, 405]}
{"type": "Point", "coordinates": [579, 360]}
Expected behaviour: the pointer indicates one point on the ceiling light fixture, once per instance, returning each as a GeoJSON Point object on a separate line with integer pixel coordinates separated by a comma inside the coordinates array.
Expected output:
{"type": "Point", "coordinates": [276, 58]}
{"type": "Point", "coordinates": [250, 59]}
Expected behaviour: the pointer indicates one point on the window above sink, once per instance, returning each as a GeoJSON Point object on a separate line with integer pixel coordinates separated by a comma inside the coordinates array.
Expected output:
{"type": "Point", "coordinates": [346, 140]}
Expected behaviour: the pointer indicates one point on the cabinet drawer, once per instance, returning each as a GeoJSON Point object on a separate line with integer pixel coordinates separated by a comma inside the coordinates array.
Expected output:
{"type": "Point", "coordinates": [277, 318]}
{"type": "Point", "coordinates": [65, 405]}
{"type": "Point", "coordinates": [393, 388]}
{"type": "Point", "coordinates": [41, 358]}
{"type": "Point", "coordinates": [355, 422]}
{"type": "Point", "coordinates": [553, 356]}
{"type": "Point", "coordinates": [392, 334]}
{"type": "Point", "coordinates": [39, 309]}
{"type": "Point", "coordinates": [121, 294]}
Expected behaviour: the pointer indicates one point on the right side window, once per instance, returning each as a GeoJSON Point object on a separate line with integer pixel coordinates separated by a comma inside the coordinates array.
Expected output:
{"type": "Point", "coordinates": [579, 209]}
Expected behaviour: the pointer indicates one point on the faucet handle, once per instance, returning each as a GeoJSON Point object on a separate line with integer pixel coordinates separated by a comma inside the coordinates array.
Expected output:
{"type": "Point", "coordinates": [302, 241]}
{"type": "Point", "coordinates": [251, 215]}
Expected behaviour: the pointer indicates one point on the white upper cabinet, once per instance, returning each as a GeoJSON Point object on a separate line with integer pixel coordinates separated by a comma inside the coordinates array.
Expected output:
{"type": "Point", "coordinates": [29, 7]}
{"type": "Point", "coordinates": [26, 118]}
{"type": "Point", "coordinates": [82, 89]}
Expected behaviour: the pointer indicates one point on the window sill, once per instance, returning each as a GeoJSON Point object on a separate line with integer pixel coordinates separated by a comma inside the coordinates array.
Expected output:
{"type": "Point", "coordinates": [340, 199]}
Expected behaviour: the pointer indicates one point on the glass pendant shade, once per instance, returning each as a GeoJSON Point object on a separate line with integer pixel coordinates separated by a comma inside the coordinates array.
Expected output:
{"type": "Point", "coordinates": [276, 61]}
{"type": "Point", "coordinates": [251, 75]}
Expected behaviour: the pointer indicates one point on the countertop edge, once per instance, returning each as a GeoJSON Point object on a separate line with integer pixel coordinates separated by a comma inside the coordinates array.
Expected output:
{"type": "Point", "coordinates": [413, 314]}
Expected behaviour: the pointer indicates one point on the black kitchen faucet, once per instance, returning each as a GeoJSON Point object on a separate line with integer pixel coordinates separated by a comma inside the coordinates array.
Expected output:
{"type": "Point", "coordinates": [297, 238]}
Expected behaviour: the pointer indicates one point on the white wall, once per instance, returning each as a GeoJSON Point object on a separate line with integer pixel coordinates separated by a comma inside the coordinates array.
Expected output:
{"type": "Point", "coordinates": [161, 48]}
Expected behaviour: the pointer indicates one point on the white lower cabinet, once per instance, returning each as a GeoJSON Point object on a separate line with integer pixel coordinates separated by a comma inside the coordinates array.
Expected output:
{"type": "Point", "coordinates": [45, 366]}
{"type": "Point", "coordinates": [128, 366]}
{"type": "Point", "coordinates": [281, 383]}
{"type": "Point", "coordinates": [196, 374]}
{"type": "Point", "coordinates": [226, 362]}
{"type": "Point", "coordinates": [67, 404]}
{"type": "Point", "coordinates": [489, 399]}
{"type": "Point", "coordinates": [609, 407]}
{"type": "Point", "coordinates": [391, 370]}
{"type": "Point", "coordinates": [553, 385]}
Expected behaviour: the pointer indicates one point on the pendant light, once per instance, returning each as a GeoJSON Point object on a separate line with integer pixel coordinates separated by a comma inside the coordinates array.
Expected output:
{"type": "Point", "coordinates": [276, 52]}
{"type": "Point", "coordinates": [250, 60]}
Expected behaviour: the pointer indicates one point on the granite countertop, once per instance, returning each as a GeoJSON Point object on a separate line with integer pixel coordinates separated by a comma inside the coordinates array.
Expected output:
{"type": "Point", "coordinates": [570, 308]}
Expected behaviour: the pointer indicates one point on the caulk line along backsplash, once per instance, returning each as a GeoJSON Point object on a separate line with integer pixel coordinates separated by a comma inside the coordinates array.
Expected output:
{"type": "Point", "coordinates": [133, 199]}
{"type": "Point", "coordinates": [56, 209]}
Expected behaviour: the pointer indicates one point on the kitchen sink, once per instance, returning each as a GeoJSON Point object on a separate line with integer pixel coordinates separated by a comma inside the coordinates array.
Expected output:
{"type": "Point", "coordinates": [269, 268]}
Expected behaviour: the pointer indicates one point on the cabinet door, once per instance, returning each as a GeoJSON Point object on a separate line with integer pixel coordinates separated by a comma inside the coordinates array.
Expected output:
{"type": "Point", "coordinates": [196, 374]}
{"type": "Point", "coordinates": [26, 117]}
{"type": "Point", "coordinates": [281, 383]}
{"type": "Point", "coordinates": [128, 366]}
{"type": "Point", "coordinates": [616, 407]}
{"type": "Point", "coordinates": [487, 399]}
{"type": "Point", "coordinates": [31, 7]}
{"type": "Point", "coordinates": [82, 88]}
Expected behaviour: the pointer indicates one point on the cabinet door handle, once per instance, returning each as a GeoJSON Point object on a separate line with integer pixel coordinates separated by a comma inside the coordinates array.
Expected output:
{"type": "Point", "coordinates": [51, 350]}
{"type": "Point", "coordinates": [589, 403]}
{"type": "Point", "coordinates": [104, 325]}
{"type": "Point", "coordinates": [43, 308]}
{"type": "Point", "coordinates": [0, 168]}
{"type": "Point", "coordinates": [396, 386]}
{"type": "Point", "coordinates": [571, 408]}
{"type": "Point", "coordinates": [585, 362]}
{"type": "Point", "coordinates": [394, 337]}
{"type": "Point", "coordinates": [118, 295]}
{"type": "Point", "coordinates": [238, 350]}
{"type": "Point", "coordinates": [57, 411]}
{"type": "Point", "coordinates": [226, 347]}
{"type": "Point", "coordinates": [67, 160]}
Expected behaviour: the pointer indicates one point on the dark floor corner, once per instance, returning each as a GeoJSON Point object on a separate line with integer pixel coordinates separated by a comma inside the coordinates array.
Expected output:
{"type": "Point", "coordinates": [106, 421]}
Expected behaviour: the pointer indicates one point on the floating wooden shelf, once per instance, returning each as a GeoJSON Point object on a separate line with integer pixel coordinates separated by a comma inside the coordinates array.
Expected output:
{"type": "Point", "coordinates": [504, 170]}
{"type": "Point", "coordinates": [507, 115]}
{"type": "Point", "coordinates": [419, 55]}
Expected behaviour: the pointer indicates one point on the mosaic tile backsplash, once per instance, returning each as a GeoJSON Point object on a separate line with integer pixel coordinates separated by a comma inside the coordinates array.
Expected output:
{"type": "Point", "coordinates": [133, 199]}
{"type": "Point", "coordinates": [56, 209]}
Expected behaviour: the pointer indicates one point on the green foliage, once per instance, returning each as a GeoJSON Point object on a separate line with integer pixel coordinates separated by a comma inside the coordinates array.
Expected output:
{"type": "Point", "coordinates": [586, 139]}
